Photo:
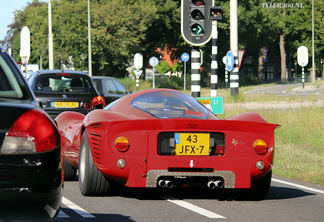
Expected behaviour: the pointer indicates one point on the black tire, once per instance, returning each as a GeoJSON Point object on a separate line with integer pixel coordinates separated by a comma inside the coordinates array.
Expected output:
{"type": "Point", "coordinates": [69, 171]}
{"type": "Point", "coordinates": [258, 190]}
{"type": "Point", "coordinates": [91, 181]}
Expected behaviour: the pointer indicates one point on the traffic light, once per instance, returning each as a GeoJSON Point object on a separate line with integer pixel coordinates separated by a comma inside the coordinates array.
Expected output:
{"type": "Point", "coordinates": [216, 13]}
{"type": "Point", "coordinates": [197, 20]}
{"type": "Point", "coordinates": [196, 28]}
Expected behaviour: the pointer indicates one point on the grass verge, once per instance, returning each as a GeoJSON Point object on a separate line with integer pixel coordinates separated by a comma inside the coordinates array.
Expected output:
{"type": "Point", "coordinates": [299, 149]}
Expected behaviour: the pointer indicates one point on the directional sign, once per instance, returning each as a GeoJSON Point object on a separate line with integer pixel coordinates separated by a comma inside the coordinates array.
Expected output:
{"type": "Point", "coordinates": [214, 104]}
{"type": "Point", "coordinates": [185, 57]}
{"type": "Point", "coordinates": [302, 56]}
{"type": "Point", "coordinates": [229, 60]}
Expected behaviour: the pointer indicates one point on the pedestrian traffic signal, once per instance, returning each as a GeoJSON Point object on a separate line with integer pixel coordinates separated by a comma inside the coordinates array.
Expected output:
{"type": "Point", "coordinates": [196, 28]}
{"type": "Point", "coordinates": [216, 13]}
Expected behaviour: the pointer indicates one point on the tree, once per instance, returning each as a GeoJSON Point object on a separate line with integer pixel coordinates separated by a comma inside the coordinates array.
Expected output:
{"type": "Point", "coordinates": [163, 67]}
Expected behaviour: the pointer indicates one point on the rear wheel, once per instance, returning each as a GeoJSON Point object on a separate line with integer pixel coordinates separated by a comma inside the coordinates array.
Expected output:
{"type": "Point", "coordinates": [69, 171]}
{"type": "Point", "coordinates": [91, 181]}
{"type": "Point", "coordinates": [259, 188]}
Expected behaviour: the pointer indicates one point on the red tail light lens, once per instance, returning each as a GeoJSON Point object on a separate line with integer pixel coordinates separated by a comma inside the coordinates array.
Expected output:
{"type": "Point", "coordinates": [220, 150]}
{"type": "Point", "coordinates": [32, 132]}
{"type": "Point", "coordinates": [260, 147]}
{"type": "Point", "coordinates": [96, 101]}
{"type": "Point", "coordinates": [122, 144]}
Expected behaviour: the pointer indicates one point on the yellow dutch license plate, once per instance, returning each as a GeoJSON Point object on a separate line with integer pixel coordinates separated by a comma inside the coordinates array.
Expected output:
{"type": "Point", "coordinates": [192, 144]}
{"type": "Point", "coordinates": [66, 104]}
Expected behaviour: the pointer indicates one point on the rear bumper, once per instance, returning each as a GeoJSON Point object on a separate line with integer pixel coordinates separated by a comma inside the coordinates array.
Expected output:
{"type": "Point", "coordinates": [228, 177]}
{"type": "Point", "coordinates": [31, 186]}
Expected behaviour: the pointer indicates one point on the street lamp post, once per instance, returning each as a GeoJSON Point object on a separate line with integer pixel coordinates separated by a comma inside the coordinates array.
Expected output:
{"type": "Point", "coordinates": [89, 41]}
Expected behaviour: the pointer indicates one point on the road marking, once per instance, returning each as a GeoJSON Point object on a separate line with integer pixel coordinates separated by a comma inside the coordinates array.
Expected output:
{"type": "Point", "coordinates": [189, 206]}
{"type": "Point", "coordinates": [299, 186]}
{"type": "Point", "coordinates": [61, 214]}
{"type": "Point", "coordinates": [76, 208]}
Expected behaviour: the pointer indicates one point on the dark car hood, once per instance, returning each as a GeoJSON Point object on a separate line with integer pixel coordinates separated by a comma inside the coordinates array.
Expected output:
{"type": "Point", "coordinates": [10, 110]}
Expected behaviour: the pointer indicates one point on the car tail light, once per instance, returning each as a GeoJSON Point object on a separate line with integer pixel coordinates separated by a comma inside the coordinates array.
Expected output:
{"type": "Point", "coordinates": [63, 74]}
{"type": "Point", "coordinates": [220, 150]}
{"type": "Point", "coordinates": [32, 132]}
{"type": "Point", "coordinates": [96, 101]}
{"type": "Point", "coordinates": [260, 147]}
{"type": "Point", "coordinates": [122, 144]}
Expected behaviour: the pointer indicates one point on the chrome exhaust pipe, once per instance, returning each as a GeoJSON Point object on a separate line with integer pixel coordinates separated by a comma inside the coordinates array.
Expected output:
{"type": "Point", "coordinates": [219, 184]}
{"type": "Point", "coordinates": [161, 183]}
{"type": "Point", "coordinates": [168, 184]}
{"type": "Point", "coordinates": [215, 184]}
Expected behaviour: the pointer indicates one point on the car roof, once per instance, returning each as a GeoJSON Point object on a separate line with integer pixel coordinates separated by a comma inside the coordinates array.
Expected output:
{"type": "Point", "coordinates": [102, 77]}
{"type": "Point", "coordinates": [41, 72]}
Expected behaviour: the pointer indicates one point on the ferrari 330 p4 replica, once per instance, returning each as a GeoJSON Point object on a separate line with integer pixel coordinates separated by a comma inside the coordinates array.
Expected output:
{"type": "Point", "coordinates": [166, 138]}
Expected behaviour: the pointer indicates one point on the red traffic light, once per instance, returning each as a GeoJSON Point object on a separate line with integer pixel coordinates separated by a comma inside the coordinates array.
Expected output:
{"type": "Point", "coordinates": [216, 13]}
{"type": "Point", "coordinates": [197, 2]}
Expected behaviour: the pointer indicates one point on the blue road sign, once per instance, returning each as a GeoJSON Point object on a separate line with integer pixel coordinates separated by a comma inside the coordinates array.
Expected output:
{"type": "Point", "coordinates": [185, 57]}
{"type": "Point", "coordinates": [229, 60]}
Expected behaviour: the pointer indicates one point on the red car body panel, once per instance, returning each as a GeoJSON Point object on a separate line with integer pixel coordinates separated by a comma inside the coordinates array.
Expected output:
{"type": "Point", "coordinates": [143, 162]}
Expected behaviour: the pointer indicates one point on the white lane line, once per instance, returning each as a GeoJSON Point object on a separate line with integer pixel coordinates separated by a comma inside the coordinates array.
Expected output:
{"type": "Point", "coordinates": [189, 206]}
{"type": "Point", "coordinates": [76, 208]}
{"type": "Point", "coordinates": [61, 214]}
{"type": "Point", "coordinates": [299, 186]}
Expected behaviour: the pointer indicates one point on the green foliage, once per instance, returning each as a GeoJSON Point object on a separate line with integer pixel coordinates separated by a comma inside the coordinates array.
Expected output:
{"type": "Point", "coordinates": [163, 67]}
{"type": "Point", "coordinates": [170, 83]}
{"type": "Point", "coordinates": [177, 67]}
{"type": "Point", "coordinates": [117, 33]}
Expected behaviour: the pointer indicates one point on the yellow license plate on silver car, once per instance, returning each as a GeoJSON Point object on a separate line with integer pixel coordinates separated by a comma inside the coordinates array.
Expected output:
{"type": "Point", "coordinates": [192, 144]}
{"type": "Point", "coordinates": [66, 104]}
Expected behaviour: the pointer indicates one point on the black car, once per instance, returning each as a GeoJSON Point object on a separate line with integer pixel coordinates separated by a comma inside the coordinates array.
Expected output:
{"type": "Point", "coordinates": [31, 177]}
{"type": "Point", "coordinates": [62, 90]}
{"type": "Point", "coordinates": [110, 88]}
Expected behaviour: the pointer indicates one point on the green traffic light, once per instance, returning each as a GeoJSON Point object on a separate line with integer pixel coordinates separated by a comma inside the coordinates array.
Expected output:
{"type": "Point", "coordinates": [197, 29]}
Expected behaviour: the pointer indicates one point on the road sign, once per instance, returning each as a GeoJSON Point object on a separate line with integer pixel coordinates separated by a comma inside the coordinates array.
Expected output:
{"type": "Point", "coordinates": [185, 57]}
{"type": "Point", "coordinates": [214, 104]}
{"type": "Point", "coordinates": [25, 43]}
{"type": "Point", "coordinates": [229, 60]}
{"type": "Point", "coordinates": [302, 56]}
{"type": "Point", "coordinates": [138, 61]}
{"type": "Point", "coordinates": [153, 61]}
{"type": "Point", "coordinates": [241, 54]}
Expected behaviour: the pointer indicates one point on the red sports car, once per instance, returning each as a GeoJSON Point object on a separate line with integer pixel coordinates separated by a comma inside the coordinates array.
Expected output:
{"type": "Point", "coordinates": [166, 138]}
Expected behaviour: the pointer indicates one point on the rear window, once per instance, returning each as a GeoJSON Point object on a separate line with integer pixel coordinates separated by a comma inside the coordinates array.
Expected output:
{"type": "Point", "coordinates": [170, 105]}
{"type": "Point", "coordinates": [62, 83]}
{"type": "Point", "coordinates": [9, 87]}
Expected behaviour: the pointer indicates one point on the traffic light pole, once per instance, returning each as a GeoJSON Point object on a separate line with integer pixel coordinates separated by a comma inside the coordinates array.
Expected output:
{"type": "Point", "coordinates": [214, 65]}
{"type": "Point", "coordinates": [195, 71]}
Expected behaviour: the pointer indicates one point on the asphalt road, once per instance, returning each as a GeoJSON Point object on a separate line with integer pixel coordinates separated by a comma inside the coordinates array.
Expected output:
{"type": "Point", "coordinates": [291, 90]}
{"type": "Point", "coordinates": [287, 200]}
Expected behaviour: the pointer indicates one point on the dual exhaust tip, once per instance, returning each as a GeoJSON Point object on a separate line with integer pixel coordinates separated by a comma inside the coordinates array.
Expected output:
{"type": "Point", "coordinates": [211, 184]}
{"type": "Point", "coordinates": [165, 183]}
{"type": "Point", "coordinates": [215, 184]}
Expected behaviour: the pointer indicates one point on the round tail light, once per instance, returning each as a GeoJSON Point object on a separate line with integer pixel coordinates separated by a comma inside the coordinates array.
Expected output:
{"type": "Point", "coordinates": [122, 144]}
{"type": "Point", "coordinates": [260, 147]}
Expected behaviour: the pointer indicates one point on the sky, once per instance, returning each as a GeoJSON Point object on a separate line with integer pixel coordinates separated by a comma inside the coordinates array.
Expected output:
{"type": "Point", "coordinates": [7, 13]}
